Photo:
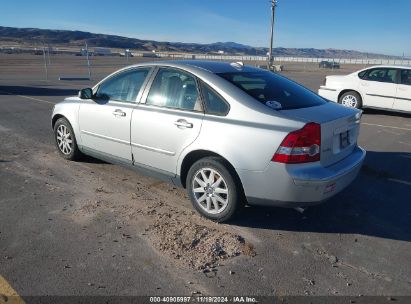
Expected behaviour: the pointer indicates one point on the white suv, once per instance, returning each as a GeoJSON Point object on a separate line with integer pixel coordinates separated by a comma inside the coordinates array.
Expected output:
{"type": "Point", "coordinates": [383, 87]}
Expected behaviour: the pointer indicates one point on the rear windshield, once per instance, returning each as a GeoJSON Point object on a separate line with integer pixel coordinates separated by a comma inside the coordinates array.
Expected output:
{"type": "Point", "coordinates": [274, 90]}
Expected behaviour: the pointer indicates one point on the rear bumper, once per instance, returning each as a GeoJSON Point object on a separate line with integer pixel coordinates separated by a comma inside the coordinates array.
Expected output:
{"type": "Point", "coordinates": [328, 93]}
{"type": "Point", "coordinates": [300, 185]}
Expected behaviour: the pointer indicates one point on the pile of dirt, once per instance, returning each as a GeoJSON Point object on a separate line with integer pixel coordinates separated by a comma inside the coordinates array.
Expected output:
{"type": "Point", "coordinates": [175, 231]}
{"type": "Point", "coordinates": [196, 242]}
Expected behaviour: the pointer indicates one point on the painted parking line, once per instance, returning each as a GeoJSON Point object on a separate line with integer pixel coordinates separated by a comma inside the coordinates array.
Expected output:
{"type": "Point", "coordinates": [384, 126]}
{"type": "Point", "coordinates": [28, 97]}
{"type": "Point", "coordinates": [8, 294]}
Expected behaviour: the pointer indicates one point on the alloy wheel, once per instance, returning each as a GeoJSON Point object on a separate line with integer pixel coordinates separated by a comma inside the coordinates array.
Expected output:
{"type": "Point", "coordinates": [210, 190]}
{"type": "Point", "coordinates": [349, 101]}
{"type": "Point", "coordinates": [64, 140]}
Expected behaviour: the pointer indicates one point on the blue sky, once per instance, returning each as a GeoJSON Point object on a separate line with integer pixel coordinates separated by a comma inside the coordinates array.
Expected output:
{"type": "Point", "coordinates": [380, 26]}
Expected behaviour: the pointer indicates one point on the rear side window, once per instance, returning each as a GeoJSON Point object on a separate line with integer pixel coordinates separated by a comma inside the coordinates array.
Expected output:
{"type": "Point", "coordinates": [361, 75]}
{"type": "Point", "coordinates": [382, 75]}
{"type": "Point", "coordinates": [214, 103]}
{"type": "Point", "coordinates": [406, 77]}
{"type": "Point", "coordinates": [124, 86]}
{"type": "Point", "coordinates": [272, 89]}
{"type": "Point", "coordinates": [174, 89]}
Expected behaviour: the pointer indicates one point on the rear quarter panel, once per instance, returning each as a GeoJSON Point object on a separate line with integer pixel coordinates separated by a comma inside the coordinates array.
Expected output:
{"type": "Point", "coordinates": [345, 83]}
{"type": "Point", "coordinates": [246, 145]}
{"type": "Point", "coordinates": [248, 136]}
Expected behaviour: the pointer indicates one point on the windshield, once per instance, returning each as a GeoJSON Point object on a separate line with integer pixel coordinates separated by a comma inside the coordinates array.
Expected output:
{"type": "Point", "coordinates": [274, 90]}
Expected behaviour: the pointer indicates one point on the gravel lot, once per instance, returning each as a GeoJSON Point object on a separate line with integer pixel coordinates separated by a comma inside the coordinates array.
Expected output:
{"type": "Point", "coordinates": [92, 228]}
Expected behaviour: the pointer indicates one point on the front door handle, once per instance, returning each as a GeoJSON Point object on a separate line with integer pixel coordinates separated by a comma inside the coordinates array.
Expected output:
{"type": "Point", "coordinates": [118, 112]}
{"type": "Point", "coordinates": [182, 123]}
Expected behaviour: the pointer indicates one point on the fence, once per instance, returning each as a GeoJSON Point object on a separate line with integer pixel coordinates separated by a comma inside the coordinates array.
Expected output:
{"type": "Point", "coordinates": [362, 61]}
{"type": "Point", "coordinates": [68, 66]}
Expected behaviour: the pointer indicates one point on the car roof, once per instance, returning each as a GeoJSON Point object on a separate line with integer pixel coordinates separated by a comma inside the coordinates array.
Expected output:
{"type": "Point", "coordinates": [210, 66]}
{"type": "Point", "coordinates": [392, 66]}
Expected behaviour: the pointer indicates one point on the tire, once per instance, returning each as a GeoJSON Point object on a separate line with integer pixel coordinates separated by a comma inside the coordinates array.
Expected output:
{"type": "Point", "coordinates": [65, 140]}
{"type": "Point", "coordinates": [226, 198]}
{"type": "Point", "coordinates": [351, 99]}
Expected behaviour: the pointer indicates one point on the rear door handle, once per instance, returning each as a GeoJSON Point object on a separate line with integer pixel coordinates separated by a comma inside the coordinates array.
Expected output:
{"type": "Point", "coordinates": [182, 123]}
{"type": "Point", "coordinates": [118, 112]}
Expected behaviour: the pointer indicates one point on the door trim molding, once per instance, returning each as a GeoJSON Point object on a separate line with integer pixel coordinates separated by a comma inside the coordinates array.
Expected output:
{"type": "Point", "coordinates": [384, 96]}
{"type": "Point", "coordinates": [161, 151]}
{"type": "Point", "coordinates": [121, 141]}
{"type": "Point", "coordinates": [376, 95]}
{"type": "Point", "coordinates": [403, 98]}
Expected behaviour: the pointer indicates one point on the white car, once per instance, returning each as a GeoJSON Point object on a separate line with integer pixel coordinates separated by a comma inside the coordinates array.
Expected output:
{"type": "Point", "coordinates": [382, 87]}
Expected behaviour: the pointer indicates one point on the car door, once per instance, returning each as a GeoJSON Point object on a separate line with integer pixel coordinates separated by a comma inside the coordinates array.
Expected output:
{"type": "Point", "coordinates": [105, 120]}
{"type": "Point", "coordinates": [403, 98]}
{"type": "Point", "coordinates": [168, 119]}
{"type": "Point", "coordinates": [379, 87]}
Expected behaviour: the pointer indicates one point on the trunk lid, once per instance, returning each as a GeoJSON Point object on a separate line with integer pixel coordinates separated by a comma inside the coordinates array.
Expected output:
{"type": "Point", "coordinates": [339, 129]}
{"type": "Point", "coordinates": [333, 80]}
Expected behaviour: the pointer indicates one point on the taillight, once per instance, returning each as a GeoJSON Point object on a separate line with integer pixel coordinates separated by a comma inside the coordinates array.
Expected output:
{"type": "Point", "coordinates": [301, 146]}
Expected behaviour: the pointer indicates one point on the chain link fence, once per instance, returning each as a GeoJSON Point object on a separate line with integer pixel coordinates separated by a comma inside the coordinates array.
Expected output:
{"type": "Point", "coordinates": [46, 65]}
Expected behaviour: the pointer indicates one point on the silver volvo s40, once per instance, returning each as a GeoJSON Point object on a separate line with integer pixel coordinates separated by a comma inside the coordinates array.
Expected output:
{"type": "Point", "coordinates": [230, 134]}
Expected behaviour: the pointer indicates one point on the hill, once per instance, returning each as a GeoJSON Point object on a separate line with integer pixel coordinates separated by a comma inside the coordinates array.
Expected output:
{"type": "Point", "coordinates": [65, 38]}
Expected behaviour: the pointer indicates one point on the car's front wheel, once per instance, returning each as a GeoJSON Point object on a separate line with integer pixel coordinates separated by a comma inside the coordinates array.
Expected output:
{"type": "Point", "coordinates": [65, 139]}
{"type": "Point", "coordinates": [351, 99]}
{"type": "Point", "coordinates": [214, 190]}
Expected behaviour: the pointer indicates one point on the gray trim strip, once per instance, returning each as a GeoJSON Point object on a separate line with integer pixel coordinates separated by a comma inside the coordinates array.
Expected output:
{"type": "Point", "coordinates": [140, 168]}
{"type": "Point", "coordinates": [106, 137]}
{"type": "Point", "coordinates": [327, 89]}
{"type": "Point", "coordinates": [376, 95]}
{"type": "Point", "coordinates": [153, 149]}
{"type": "Point", "coordinates": [402, 98]}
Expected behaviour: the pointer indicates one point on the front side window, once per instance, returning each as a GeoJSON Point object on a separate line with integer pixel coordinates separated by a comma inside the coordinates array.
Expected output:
{"type": "Point", "coordinates": [213, 102]}
{"type": "Point", "coordinates": [406, 77]}
{"type": "Point", "coordinates": [382, 75]}
{"type": "Point", "coordinates": [124, 86]}
{"type": "Point", "coordinates": [270, 88]}
{"type": "Point", "coordinates": [174, 89]}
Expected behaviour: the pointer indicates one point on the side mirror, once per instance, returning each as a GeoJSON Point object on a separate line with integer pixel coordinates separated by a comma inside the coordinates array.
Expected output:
{"type": "Point", "coordinates": [86, 93]}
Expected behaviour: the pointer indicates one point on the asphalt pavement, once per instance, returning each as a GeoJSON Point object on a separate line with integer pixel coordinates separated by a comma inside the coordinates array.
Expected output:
{"type": "Point", "coordinates": [71, 228]}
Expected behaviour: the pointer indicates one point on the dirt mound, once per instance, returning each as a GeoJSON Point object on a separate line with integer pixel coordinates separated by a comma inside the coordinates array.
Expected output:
{"type": "Point", "coordinates": [194, 242]}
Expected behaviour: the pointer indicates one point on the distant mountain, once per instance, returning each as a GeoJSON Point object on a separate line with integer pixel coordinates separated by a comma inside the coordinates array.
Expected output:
{"type": "Point", "coordinates": [64, 38]}
{"type": "Point", "coordinates": [233, 45]}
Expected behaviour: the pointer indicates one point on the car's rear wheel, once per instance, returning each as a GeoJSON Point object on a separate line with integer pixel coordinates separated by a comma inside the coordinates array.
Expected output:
{"type": "Point", "coordinates": [65, 140]}
{"type": "Point", "coordinates": [214, 190]}
{"type": "Point", "coordinates": [351, 99]}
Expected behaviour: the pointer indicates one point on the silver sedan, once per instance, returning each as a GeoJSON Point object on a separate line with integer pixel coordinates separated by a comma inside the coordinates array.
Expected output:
{"type": "Point", "coordinates": [230, 134]}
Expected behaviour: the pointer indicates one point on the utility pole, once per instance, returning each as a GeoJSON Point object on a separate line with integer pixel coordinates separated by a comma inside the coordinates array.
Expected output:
{"type": "Point", "coordinates": [48, 53]}
{"type": "Point", "coordinates": [45, 61]}
{"type": "Point", "coordinates": [270, 54]}
{"type": "Point", "coordinates": [88, 61]}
